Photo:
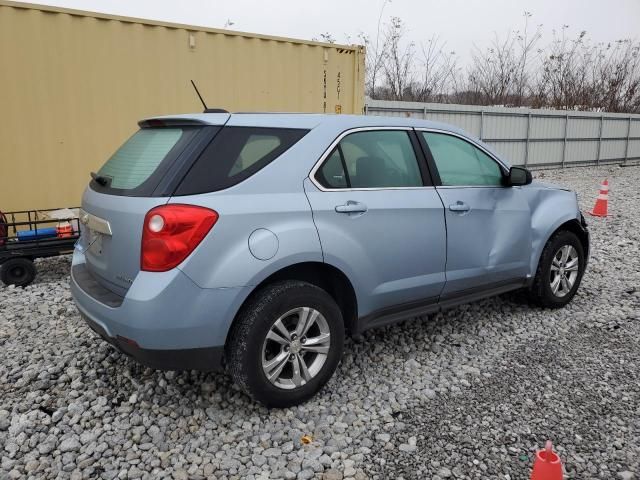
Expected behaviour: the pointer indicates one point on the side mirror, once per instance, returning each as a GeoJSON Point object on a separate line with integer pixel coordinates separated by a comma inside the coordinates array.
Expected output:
{"type": "Point", "coordinates": [519, 176]}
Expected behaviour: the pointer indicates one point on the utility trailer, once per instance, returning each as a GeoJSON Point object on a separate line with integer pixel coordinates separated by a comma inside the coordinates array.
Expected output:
{"type": "Point", "coordinates": [29, 234]}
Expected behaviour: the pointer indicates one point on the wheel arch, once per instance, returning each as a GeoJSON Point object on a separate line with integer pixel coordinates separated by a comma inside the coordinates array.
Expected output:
{"type": "Point", "coordinates": [323, 275]}
{"type": "Point", "coordinates": [578, 227]}
{"type": "Point", "coordinates": [575, 226]}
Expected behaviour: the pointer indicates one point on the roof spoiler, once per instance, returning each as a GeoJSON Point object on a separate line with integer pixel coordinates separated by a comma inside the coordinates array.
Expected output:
{"type": "Point", "coordinates": [168, 122]}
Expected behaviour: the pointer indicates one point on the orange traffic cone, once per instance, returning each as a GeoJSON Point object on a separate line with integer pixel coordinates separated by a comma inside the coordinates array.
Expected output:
{"type": "Point", "coordinates": [547, 464]}
{"type": "Point", "coordinates": [602, 202]}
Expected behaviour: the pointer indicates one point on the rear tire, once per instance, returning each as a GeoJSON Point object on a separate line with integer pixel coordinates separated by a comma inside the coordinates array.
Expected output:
{"type": "Point", "coordinates": [286, 343]}
{"type": "Point", "coordinates": [18, 271]}
{"type": "Point", "coordinates": [559, 271]}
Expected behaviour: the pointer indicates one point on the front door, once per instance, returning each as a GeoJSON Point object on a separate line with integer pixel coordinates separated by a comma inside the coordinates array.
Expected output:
{"type": "Point", "coordinates": [488, 224]}
{"type": "Point", "coordinates": [379, 219]}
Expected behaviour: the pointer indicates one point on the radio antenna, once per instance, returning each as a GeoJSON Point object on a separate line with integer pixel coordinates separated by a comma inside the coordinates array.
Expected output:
{"type": "Point", "coordinates": [199, 96]}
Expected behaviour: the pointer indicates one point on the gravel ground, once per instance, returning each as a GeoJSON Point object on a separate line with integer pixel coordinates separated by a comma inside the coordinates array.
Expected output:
{"type": "Point", "coordinates": [471, 393]}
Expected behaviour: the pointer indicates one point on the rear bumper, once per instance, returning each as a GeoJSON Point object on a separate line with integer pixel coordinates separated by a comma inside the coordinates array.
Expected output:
{"type": "Point", "coordinates": [205, 359]}
{"type": "Point", "coordinates": [165, 320]}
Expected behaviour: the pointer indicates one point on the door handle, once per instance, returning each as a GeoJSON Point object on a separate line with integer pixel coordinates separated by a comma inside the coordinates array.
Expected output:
{"type": "Point", "coordinates": [459, 207]}
{"type": "Point", "coordinates": [351, 207]}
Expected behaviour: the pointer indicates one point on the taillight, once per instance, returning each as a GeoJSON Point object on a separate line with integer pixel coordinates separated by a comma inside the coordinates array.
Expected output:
{"type": "Point", "coordinates": [171, 233]}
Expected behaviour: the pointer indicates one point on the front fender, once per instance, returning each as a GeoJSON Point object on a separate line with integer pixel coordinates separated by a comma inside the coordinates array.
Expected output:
{"type": "Point", "coordinates": [550, 209]}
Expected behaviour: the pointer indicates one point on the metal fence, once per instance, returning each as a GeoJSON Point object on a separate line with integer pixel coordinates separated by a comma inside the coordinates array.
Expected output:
{"type": "Point", "coordinates": [531, 137]}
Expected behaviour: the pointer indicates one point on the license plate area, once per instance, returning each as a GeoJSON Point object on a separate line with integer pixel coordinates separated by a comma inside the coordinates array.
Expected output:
{"type": "Point", "coordinates": [96, 224]}
{"type": "Point", "coordinates": [96, 228]}
{"type": "Point", "coordinates": [95, 242]}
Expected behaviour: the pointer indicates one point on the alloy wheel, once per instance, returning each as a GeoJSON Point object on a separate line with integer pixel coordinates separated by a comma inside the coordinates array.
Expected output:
{"type": "Point", "coordinates": [564, 270]}
{"type": "Point", "coordinates": [296, 348]}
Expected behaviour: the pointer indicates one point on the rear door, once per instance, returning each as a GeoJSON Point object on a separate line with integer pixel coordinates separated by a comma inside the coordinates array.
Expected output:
{"type": "Point", "coordinates": [488, 224]}
{"type": "Point", "coordinates": [379, 218]}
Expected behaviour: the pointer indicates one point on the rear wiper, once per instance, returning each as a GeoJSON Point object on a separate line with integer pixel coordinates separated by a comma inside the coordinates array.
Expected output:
{"type": "Point", "coordinates": [104, 181]}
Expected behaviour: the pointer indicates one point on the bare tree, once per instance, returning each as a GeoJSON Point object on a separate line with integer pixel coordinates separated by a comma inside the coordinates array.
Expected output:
{"type": "Point", "coordinates": [494, 70]}
{"type": "Point", "coordinates": [578, 75]}
{"type": "Point", "coordinates": [526, 55]}
{"type": "Point", "coordinates": [398, 61]}
{"type": "Point", "coordinates": [439, 70]}
{"type": "Point", "coordinates": [563, 81]}
{"type": "Point", "coordinates": [500, 73]}
{"type": "Point", "coordinates": [616, 76]}
{"type": "Point", "coordinates": [376, 52]}
{"type": "Point", "coordinates": [569, 73]}
{"type": "Point", "coordinates": [324, 37]}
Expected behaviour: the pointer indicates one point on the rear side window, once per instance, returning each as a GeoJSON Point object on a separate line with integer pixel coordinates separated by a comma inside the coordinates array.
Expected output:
{"type": "Point", "coordinates": [140, 163]}
{"type": "Point", "coordinates": [235, 154]}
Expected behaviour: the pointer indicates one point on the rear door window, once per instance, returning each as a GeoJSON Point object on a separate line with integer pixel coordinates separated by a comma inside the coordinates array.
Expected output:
{"type": "Point", "coordinates": [333, 173]}
{"type": "Point", "coordinates": [372, 159]}
{"type": "Point", "coordinates": [234, 155]}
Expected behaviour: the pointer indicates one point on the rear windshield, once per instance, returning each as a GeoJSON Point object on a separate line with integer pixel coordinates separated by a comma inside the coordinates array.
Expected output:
{"type": "Point", "coordinates": [234, 155]}
{"type": "Point", "coordinates": [139, 164]}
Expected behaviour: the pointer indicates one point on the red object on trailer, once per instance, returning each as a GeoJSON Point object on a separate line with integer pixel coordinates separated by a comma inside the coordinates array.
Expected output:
{"type": "Point", "coordinates": [64, 231]}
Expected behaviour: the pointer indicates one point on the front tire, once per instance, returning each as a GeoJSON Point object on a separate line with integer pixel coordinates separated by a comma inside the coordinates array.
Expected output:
{"type": "Point", "coordinates": [286, 343]}
{"type": "Point", "coordinates": [560, 270]}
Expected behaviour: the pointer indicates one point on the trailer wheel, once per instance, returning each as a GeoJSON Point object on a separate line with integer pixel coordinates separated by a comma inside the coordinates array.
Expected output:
{"type": "Point", "coordinates": [18, 271]}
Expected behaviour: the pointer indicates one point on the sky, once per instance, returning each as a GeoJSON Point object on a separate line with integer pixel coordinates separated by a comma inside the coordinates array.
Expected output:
{"type": "Point", "coordinates": [461, 24]}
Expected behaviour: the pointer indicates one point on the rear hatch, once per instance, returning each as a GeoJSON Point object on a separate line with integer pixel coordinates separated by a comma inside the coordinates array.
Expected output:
{"type": "Point", "coordinates": [140, 175]}
{"type": "Point", "coordinates": [167, 157]}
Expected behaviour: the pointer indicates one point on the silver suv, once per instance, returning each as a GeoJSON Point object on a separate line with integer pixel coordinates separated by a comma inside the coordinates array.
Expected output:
{"type": "Point", "coordinates": [255, 242]}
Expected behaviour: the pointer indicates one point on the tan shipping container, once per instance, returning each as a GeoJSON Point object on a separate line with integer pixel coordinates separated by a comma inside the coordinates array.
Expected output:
{"type": "Point", "coordinates": [73, 85]}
